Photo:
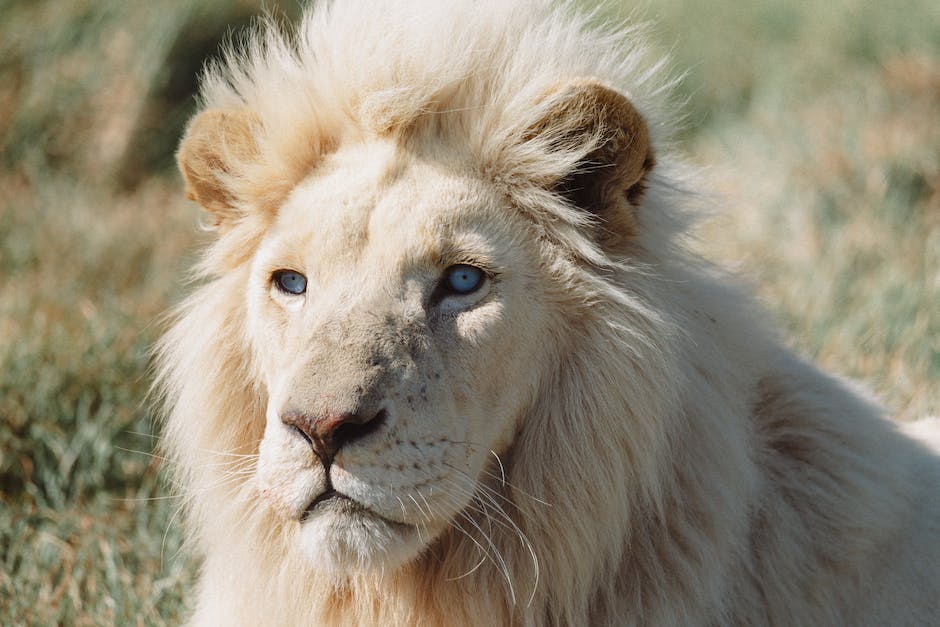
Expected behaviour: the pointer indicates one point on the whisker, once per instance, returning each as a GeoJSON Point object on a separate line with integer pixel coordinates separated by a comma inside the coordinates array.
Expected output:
{"type": "Point", "coordinates": [484, 494]}
{"type": "Point", "coordinates": [494, 555]}
{"type": "Point", "coordinates": [501, 563]}
{"type": "Point", "coordinates": [502, 480]}
{"type": "Point", "coordinates": [145, 499]}
{"type": "Point", "coordinates": [144, 453]}
{"type": "Point", "coordinates": [152, 436]}
{"type": "Point", "coordinates": [497, 494]}
{"type": "Point", "coordinates": [502, 471]}
{"type": "Point", "coordinates": [418, 526]}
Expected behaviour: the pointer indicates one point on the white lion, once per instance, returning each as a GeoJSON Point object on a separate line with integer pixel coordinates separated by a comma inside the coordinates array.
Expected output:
{"type": "Point", "coordinates": [451, 362]}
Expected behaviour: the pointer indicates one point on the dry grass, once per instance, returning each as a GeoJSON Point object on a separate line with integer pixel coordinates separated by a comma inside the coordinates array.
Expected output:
{"type": "Point", "coordinates": [832, 206]}
{"type": "Point", "coordinates": [86, 275]}
{"type": "Point", "coordinates": [819, 121]}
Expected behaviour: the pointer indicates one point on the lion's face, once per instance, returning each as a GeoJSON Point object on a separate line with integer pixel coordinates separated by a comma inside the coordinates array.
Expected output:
{"type": "Point", "coordinates": [407, 304]}
{"type": "Point", "coordinates": [391, 302]}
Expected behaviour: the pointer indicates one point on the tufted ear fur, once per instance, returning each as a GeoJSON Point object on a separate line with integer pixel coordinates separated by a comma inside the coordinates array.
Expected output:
{"type": "Point", "coordinates": [216, 146]}
{"type": "Point", "coordinates": [610, 180]}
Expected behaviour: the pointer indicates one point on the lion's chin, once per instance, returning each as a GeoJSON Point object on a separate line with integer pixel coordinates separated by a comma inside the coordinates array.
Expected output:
{"type": "Point", "coordinates": [342, 538]}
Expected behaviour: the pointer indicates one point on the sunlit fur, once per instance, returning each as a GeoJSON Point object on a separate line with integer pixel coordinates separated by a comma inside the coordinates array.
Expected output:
{"type": "Point", "coordinates": [660, 457]}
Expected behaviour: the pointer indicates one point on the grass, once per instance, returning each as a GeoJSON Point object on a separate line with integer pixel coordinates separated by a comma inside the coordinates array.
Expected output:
{"type": "Point", "coordinates": [818, 122]}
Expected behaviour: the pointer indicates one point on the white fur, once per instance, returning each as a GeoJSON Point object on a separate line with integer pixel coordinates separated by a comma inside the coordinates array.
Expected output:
{"type": "Point", "coordinates": [614, 437]}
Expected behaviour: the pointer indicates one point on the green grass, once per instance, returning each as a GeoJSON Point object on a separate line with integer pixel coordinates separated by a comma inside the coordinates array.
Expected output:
{"type": "Point", "coordinates": [818, 122]}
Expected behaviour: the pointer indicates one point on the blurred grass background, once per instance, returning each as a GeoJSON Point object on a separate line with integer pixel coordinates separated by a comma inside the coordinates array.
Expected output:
{"type": "Point", "coordinates": [819, 122]}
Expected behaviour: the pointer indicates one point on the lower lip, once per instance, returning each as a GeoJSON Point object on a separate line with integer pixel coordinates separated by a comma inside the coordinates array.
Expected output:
{"type": "Point", "coordinates": [331, 500]}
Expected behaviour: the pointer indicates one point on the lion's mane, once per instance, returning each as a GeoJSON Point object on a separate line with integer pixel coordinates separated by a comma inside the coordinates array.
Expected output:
{"type": "Point", "coordinates": [677, 466]}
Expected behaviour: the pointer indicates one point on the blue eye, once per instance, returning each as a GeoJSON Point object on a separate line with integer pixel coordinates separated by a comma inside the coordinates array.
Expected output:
{"type": "Point", "coordinates": [464, 279]}
{"type": "Point", "coordinates": [290, 282]}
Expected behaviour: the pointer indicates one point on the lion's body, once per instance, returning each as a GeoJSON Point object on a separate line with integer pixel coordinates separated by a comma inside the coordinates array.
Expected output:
{"type": "Point", "coordinates": [608, 433]}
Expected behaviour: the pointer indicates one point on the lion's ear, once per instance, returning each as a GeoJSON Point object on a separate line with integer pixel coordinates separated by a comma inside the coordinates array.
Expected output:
{"type": "Point", "coordinates": [216, 146]}
{"type": "Point", "coordinates": [610, 180]}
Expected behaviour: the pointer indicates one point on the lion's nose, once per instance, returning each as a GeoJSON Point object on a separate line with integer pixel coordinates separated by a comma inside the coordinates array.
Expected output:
{"type": "Point", "coordinates": [328, 432]}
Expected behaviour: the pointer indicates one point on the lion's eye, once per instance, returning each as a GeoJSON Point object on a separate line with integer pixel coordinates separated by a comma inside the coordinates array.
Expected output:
{"type": "Point", "coordinates": [463, 279]}
{"type": "Point", "coordinates": [290, 282]}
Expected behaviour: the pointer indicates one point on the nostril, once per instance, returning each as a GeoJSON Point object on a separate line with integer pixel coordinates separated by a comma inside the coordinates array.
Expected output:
{"type": "Point", "coordinates": [301, 432]}
{"type": "Point", "coordinates": [356, 428]}
{"type": "Point", "coordinates": [301, 423]}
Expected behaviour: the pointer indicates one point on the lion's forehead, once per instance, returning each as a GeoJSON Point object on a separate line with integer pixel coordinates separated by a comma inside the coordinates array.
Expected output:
{"type": "Point", "coordinates": [374, 206]}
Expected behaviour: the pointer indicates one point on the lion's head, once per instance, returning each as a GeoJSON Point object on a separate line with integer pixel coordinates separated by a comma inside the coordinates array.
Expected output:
{"type": "Point", "coordinates": [401, 309]}
{"type": "Point", "coordinates": [412, 340]}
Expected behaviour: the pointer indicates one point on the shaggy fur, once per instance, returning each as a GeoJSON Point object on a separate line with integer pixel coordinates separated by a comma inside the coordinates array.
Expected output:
{"type": "Point", "coordinates": [605, 433]}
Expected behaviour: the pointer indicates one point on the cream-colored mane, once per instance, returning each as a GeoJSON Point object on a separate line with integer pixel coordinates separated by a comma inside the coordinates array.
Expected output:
{"type": "Point", "coordinates": [653, 454]}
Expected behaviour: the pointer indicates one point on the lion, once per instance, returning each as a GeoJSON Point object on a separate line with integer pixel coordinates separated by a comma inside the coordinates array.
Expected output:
{"type": "Point", "coordinates": [452, 361]}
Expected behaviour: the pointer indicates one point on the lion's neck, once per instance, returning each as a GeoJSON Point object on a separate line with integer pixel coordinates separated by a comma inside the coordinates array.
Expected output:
{"type": "Point", "coordinates": [276, 587]}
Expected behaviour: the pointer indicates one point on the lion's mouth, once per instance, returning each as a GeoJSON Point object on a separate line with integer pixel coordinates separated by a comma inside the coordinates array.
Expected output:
{"type": "Point", "coordinates": [331, 500]}
{"type": "Point", "coordinates": [334, 502]}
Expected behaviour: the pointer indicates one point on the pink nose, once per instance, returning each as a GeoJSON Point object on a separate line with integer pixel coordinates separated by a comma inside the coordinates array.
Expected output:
{"type": "Point", "coordinates": [326, 426]}
{"type": "Point", "coordinates": [329, 431]}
